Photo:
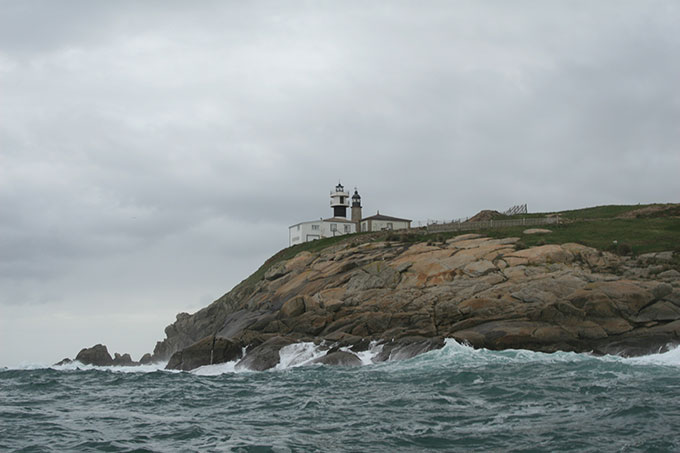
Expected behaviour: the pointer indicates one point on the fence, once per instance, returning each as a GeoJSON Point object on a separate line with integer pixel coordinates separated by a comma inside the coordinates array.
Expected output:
{"type": "Point", "coordinates": [466, 226]}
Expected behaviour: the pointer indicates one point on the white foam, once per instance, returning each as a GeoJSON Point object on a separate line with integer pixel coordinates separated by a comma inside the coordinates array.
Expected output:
{"type": "Point", "coordinates": [670, 358]}
{"type": "Point", "coordinates": [298, 354]}
{"type": "Point", "coordinates": [216, 370]}
{"type": "Point", "coordinates": [368, 355]}
{"type": "Point", "coordinates": [301, 354]}
{"type": "Point", "coordinates": [75, 365]}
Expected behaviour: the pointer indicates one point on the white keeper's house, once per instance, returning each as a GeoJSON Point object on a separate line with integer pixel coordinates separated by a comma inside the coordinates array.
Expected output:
{"type": "Point", "coordinates": [339, 224]}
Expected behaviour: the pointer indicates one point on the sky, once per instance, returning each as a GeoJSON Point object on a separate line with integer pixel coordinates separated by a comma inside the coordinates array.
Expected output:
{"type": "Point", "coordinates": [153, 154]}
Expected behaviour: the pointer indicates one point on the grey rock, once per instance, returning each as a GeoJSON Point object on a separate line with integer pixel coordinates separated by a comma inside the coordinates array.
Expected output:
{"type": "Point", "coordinates": [659, 311]}
{"type": "Point", "coordinates": [276, 271]}
{"type": "Point", "coordinates": [664, 256]}
{"type": "Point", "coordinates": [264, 356]}
{"type": "Point", "coordinates": [123, 360]}
{"type": "Point", "coordinates": [403, 267]}
{"type": "Point", "coordinates": [97, 355]}
{"type": "Point", "coordinates": [662, 290]}
{"type": "Point", "coordinates": [339, 358]}
{"type": "Point", "coordinates": [408, 347]}
{"type": "Point", "coordinates": [209, 351]}
{"type": "Point", "coordinates": [671, 274]}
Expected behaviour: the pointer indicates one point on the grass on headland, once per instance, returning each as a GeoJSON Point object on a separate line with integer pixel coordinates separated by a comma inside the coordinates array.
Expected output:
{"type": "Point", "coordinates": [641, 235]}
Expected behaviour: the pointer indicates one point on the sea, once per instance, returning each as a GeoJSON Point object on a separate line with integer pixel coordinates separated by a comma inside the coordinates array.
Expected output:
{"type": "Point", "coordinates": [453, 399]}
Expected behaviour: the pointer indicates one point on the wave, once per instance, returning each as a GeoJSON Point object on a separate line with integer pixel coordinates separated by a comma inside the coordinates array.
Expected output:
{"type": "Point", "coordinates": [453, 353]}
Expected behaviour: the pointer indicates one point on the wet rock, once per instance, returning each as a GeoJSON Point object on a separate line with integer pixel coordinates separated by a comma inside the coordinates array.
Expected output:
{"type": "Point", "coordinates": [123, 360]}
{"type": "Point", "coordinates": [209, 351]}
{"type": "Point", "coordinates": [264, 356]}
{"type": "Point", "coordinates": [65, 361]}
{"type": "Point", "coordinates": [339, 358]}
{"type": "Point", "coordinates": [146, 359]}
{"type": "Point", "coordinates": [408, 347]}
{"type": "Point", "coordinates": [97, 355]}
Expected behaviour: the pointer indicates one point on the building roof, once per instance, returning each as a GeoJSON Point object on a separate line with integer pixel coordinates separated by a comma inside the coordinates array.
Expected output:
{"type": "Point", "coordinates": [385, 217]}
{"type": "Point", "coordinates": [332, 219]}
{"type": "Point", "coordinates": [338, 220]}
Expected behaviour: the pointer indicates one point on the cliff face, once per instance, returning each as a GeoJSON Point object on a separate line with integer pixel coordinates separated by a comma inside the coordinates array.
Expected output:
{"type": "Point", "coordinates": [474, 289]}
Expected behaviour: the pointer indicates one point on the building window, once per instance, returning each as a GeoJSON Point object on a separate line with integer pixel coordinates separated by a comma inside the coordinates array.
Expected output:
{"type": "Point", "coordinates": [315, 227]}
{"type": "Point", "coordinates": [347, 229]}
{"type": "Point", "coordinates": [298, 227]}
{"type": "Point", "coordinates": [389, 225]}
{"type": "Point", "coordinates": [334, 227]}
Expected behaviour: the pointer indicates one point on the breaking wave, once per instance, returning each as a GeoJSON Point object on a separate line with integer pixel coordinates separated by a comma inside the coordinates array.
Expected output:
{"type": "Point", "coordinates": [303, 354]}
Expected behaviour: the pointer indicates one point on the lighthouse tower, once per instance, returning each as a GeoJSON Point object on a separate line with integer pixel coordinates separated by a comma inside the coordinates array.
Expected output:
{"type": "Point", "coordinates": [356, 208]}
{"type": "Point", "coordinates": [340, 201]}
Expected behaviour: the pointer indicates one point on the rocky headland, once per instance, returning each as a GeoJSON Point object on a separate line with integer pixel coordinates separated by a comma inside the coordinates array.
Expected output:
{"type": "Point", "coordinates": [408, 297]}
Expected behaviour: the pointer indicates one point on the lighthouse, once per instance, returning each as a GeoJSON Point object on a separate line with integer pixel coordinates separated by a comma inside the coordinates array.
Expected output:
{"type": "Point", "coordinates": [339, 224]}
{"type": "Point", "coordinates": [356, 208]}
{"type": "Point", "coordinates": [340, 201]}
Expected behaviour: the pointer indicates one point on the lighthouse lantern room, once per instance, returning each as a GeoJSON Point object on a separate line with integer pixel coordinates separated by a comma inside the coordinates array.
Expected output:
{"type": "Point", "coordinates": [340, 201]}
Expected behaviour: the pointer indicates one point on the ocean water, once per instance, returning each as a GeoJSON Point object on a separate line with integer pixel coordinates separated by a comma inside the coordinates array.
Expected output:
{"type": "Point", "coordinates": [453, 399]}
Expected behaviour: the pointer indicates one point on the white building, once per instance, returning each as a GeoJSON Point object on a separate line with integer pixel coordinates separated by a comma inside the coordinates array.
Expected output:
{"type": "Point", "coordinates": [381, 222]}
{"type": "Point", "coordinates": [339, 224]}
{"type": "Point", "coordinates": [317, 229]}
{"type": "Point", "coordinates": [325, 228]}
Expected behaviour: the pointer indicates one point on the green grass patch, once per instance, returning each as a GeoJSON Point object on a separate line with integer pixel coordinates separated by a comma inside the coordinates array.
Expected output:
{"type": "Point", "coordinates": [641, 235]}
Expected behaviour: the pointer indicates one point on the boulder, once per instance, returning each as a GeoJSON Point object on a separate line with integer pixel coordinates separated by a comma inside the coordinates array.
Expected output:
{"type": "Point", "coordinates": [662, 290]}
{"type": "Point", "coordinates": [209, 351]}
{"type": "Point", "coordinates": [123, 360]}
{"type": "Point", "coordinates": [293, 307]}
{"type": "Point", "coordinates": [408, 347]}
{"type": "Point", "coordinates": [264, 356]}
{"type": "Point", "coordinates": [671, 274]}
{"type": "Point", "coordinates": [97, 355]}
{"type": "Point", "coordinates": [518, 334]}
{"type": "Point", "coordinates": [537, 231]}
{"type": "Point", "coordinates": [146, 359]}
{"type": "Point", "coordinates": [276, 271]}
{"type": "Point", "coordinates": [658, 311]}
{"type": "Point", "coordinates": [544, 254]}
{"type": "Point", "coordinates": [339, 358]}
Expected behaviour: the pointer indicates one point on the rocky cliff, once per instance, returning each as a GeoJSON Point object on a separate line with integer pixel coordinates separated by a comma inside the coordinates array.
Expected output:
{"type": "Point", "coordinates": [486, 292]}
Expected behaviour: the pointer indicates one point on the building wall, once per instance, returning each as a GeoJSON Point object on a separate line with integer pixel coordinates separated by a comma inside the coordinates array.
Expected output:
{"type": "Point", "coordinates": [379, 225]}
{"type": "Point", "coordinates": [309, 231]}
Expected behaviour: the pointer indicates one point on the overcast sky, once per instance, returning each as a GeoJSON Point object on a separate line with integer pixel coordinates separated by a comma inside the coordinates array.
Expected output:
{"type": "Point", "coordinates": [153, 154]}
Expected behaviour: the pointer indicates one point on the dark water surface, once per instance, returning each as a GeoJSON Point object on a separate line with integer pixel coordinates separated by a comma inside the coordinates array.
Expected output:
{"type": "Point", "coordinates": [455, 399]}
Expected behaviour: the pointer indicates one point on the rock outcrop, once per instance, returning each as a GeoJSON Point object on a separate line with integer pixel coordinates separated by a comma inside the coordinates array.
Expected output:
{"type": "Point", "coordinates": [409, 296]}
{"type": "Point", "coordinates": [98, 355]}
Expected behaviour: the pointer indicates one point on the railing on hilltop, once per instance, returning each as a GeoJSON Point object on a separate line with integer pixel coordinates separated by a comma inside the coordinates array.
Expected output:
{"type": "Point", "coordinates": [467, 226]}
